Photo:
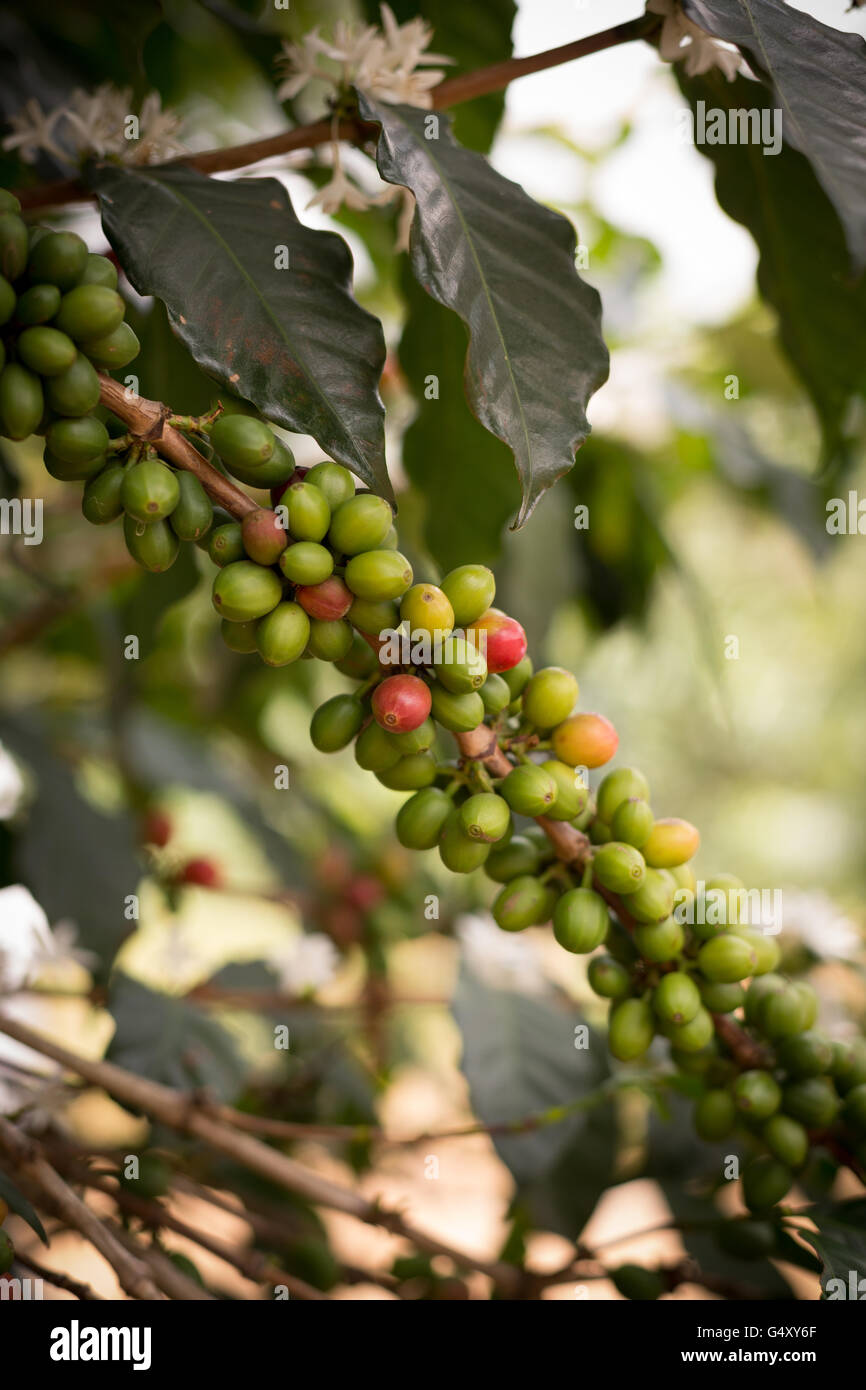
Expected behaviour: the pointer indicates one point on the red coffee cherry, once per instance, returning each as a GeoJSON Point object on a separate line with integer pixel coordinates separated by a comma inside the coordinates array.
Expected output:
{"type": "Point", "coordinates": [327, 601]}
{"type": "Point", "coordinates": [505, 639]}
{"type": "Point", "coordinates": [401, 703]}
{"type": "Point", "coordinates": [263, 537]}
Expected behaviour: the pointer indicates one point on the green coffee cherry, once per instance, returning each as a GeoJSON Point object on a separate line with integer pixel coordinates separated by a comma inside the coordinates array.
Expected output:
{"type": "Point", "coordinates": [521, 903]}
{"type": "Point", "coordinates": [244, 591]}
{"type": "Point", "coordinates": [507, 861]}
{"type": "Point", "coordinates": [74, 391]}
{"type": "Point", "coordinates": [332, 479]}
{"type": "Point", "coordinates": [412, 772]}
{"type": "Point", "coordinates": [330, 640]}
{"type": "Point", "coordinates": [21, 401]}
{"type": "Point", "coordinates": [809, 1000]}
{"type": "Point", "coordinates": [618, 867]}
{"type": "Point", "coordinates": [726, 959]}
{"type": "Point", "coordinates": [192, 517]}
{"type": "Point", "coordinates": [765, 949]}
{"type": "Point", "coordinates": [692, 1036]}
{"type": "Point", "coordinates": [529, 790]}
{"type": "Point", "coordinates": [805, 1054]}
{"type": "Point", "coordinates": [415, 740]}
{"type": "Point", "coordinates": [765, 1182]}
{"type": "Point", "coordinates": [630, 1029]}
{"type": "Point", "coordinates": [549, 697]}
{"type": "Point", "coordinates": [653, 901]}
{"type": "Point", "coordinates": [517, 678]}
{"type": "Point", "coordinates": [608, 978]}
{"type": "Point", "coordinates": [67, 472]}
{"type": "Point", "coordinates": [13, 245]}
{"type": "Point", "coordinates": [59, 258]}
{"type": "Point", "coordinates": [8, 201]}
{"type": "Point", "coordinates": [89, 311]}
{"type": "Point", "coordinates": [659, 941]}
{"type": "Point", "coordinates": [462, 667]}
{"type": "Point", "coordinates": [153, 545]}
{"type": "Point", "coordinates": [746, 1239]}
{"type": "Point", "coordinates": [599, 833]}
{"type": "Point", "coordinates": [758, 991]}
{"type": "Point", "coordinates": [337, 721]}
{"type": "Point", "coordinates": [8, 302]}
{"type": "Point", "coordinates": [306, 563]}
{"type": "Point", "coordinates": [632, 822]}
{"type": "Point", "coordinates": [308, 512]}
{"type": "Point", "coordinates": [374, 618]}
{"type": "Point", "coordinates": [457, 851]}
{"type": "Point", "coordinates": [670, 843]}
{"type": "Point", "coordinates": [458, 713]}
{"type": "Point", "coordinates": [46, 350]}
{"type": "Point", "coordinates": [783, 1014]}
{"type": "Point", "coordinates": [226, 544]}
{"type": "Point", "coordinates": [98, 270]}
{"type": "Point", "coordinates": [721, 998]}
{"type": "Point", "coordinates": [420, 819]}
{"type": "Point", "coordinates": [361, 524]}
{"type": "Point", "coordinates": [854, 1109]}
{"type": "Point", "coordinates": [756, 1094]}
{"type": "Point", "coordinates": [359, 662]}
{"type": "Point", "coordinates": [242, 440]}
{"type": "Point", "coordinates": [101, 502]}
{"type": "Point", "coordinates": [471, 590]}
{"type": "Point", "coordinates": [727, 894]}
{"type": "Point", "coordinates": [485, 816]}
{"type": "Point", "coordinates": [392, 540]}
{"type": "Point", "coordinates": [282, 634]}
{"type": "Point", "coordinates": [378, 574]}
{"type": "Point", "coordinates": [150, 491]}
{"type": "Point", "coordinates": [787, 1140]}
{"type": "Point", "coordinates": [115, 349]}
{"type": "Point", "coordinates": [75, 441]}
{"type": "Point", "coordinates": [715, 1115]}
{"type": "Point", "coordinates": [620, 785]}
{"type": "Point", "coordinates": [571, 794]}
{"type": "Point", "coordinates": [376, 751]}
{"type": "Point", "coordinates": [849, 1064]}
{"type": "Point", "coordinates": [812, 1101]}
{"type": "Point", "coordinates": [580, 920]}
{"type": "Point", "coordinates": [495, 694]}
{"type": "Point", "coordinates": [676, 998]}
{"type": "Point", "coordinates": [638, 1284]}
{"type": "Point", "coordinates": [240, 637]}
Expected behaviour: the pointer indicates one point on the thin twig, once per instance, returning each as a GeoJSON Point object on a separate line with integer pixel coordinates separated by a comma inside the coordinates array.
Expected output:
{"type": "Point", "coordinates": [60, 1281]}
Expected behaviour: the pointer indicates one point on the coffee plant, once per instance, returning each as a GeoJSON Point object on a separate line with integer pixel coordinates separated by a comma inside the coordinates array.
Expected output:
{"type": "Point", "coordinates": [753, 1108]}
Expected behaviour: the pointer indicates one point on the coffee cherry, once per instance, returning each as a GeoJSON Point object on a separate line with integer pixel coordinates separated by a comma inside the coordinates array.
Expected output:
{"type": "Point", "coordinates": [729, 893]}
{"type": "Point", "coordinates": [457, 851]}
{"type": "Point", "coordinates": [330, 641]}
{"type": "Point", "coordinates": [59, 258]}
{"type": "Point", "coordinates": [360, 524]}
{"type": "Point", "coordinates": [72, 472]}
{"type": "Point", "coordinates": [529, 790]}
{"type": "Point", "coordinates": [495, 694]}
{"type": "Point", "coordinates": [457, 713]}
{"type": "Point", "coordinates": [21, 401]}
{"type": "Point", "coordinates": [74, 391]}
{"type": "Point", "coordinates": [154, 545]}
{"type": "Point", "coordinates": [787, 1140]}
{"type": "Point", "coordinates": [192, 518]}
{"type": "Point", "coordinates": [653, 901]}
{"type": "Point", "coordinates": [805, 1054]}
{"type": "Point", "coordinates": [154, 1174]}
{"type": "Point", "coordinates": [619, 867]}
{"type": "Point", "coordinates": [721, 998]}
{"type": "Point", "coordinates": [715, 1114]}
{"type": "Point", "coordinates": [374, 618]}
{"type": "Point", "coordinates": [307, 510]}
{"type": "Point", "coordinates": [307, 563]}
{"type": "Point", "coordinates": [854, 1109]}
{"type": "Point", "coordinates": [692, 1036]}
{"type": "Point", "coordinates": [812, 1101]}
{"type": "Point", "coordinates": [89, 311]}
{"type": "Point", "coordinates": [239, 637]}
{"type": "Point", "coordinates": [101, 502]}
{"type": "Point", "coordinates": [8, 301]}
{"type": "Point", "coordinates": [415, 740]}
{"type": "Point", "coordinates": [726, 959]}
{"type": "Point", "coordinates": [427, 610]}
{"type": "Point", "coordinates": [150, 491]}
{"type": "Point", "coordinates": [327, 601]}
{"type": "Point", "coordinates": [746, 1239]}
{"type": "Point", "coordinates": [572, 796]}
{"type": "Point", "coordinates": [516, 677]}
{"type": "Point", "coordinates": [676, 998]}
{"type": "Point", "coordinates": [485, 817]}
{"type": "Point", "coordinates": [244, 591]}
{"type": "Point", "coordinates": [671, 842]}
{"type": "Point", "coordinates": [378, 574]}
{"type": "Point", "coordinates": [461, 667]}
{"type": "Point", "coordinates": [638, 1284]}
{"type": "Point", "coordinates": [521, 903]}
{"type": "Point", "coordinates": [503, 641]}
{"type": "Point", "coordinates": [632, 822]}
{"type": "Point", "coordinates": [263, 537]}
{"type": "Point", "coordinates": [283, 634]}
{"type": "Point", "coordinates": [75, 441]}
{"type": "Point", "coordinates": [608, 978]}
{"type": "Point", "coordinates": [46, 350]}
{"type": "Point", "coordinates": [765, 949]}
{"type": "Point", "coordinates": [241, 440]}
{"type": "Point", "coordinates": [420, 819]}
{"type": "Point", "coordinates": [8, 201]}
{"type": "Point", "coordinates": [549, 697]}
{"type": "Point", "coordinates": [401, 703]}
{"type": "Point", "coordinates": [510, 860]}
{"type": "Point", "coordinates": [115, 349]}
{"type": "Point", "coordinates": [580, 920]}
{"type": "Point", "coordinates": [39, 304]}
{"type": "Point", "coordinates": [623, 784]}
{"type": "Point", "coordinates": [758, 991]}
{"type": "Point", "coordinates": [470, 589]}
{"type": "Point", "coordinates": [226, 544]}
{"type": "Point", "coordinates": [98, 270]}
{"type": "Point", "coordinates": [334, 481]}
{"type": "Point", "coordinates": [849, 1064]}
{"type": "Point", "coordinates": [337, 721]}
{"type": "Point", "coordinates": [765, 1182]}
{"type": "Point", "coordinates": [756, 1094]}
{"type": "Point", "coordinates": [659, 941]}
{"type": "Point", "coordinates": [630, 1029]}
{"type": "Point", "coordinates": [376, 751]}
{"type": "Point", "coordinates": [585, 740]}
{"type": "Point", "coordinates": [13, 245]}
{"type": "Point", "coordinates": [809, 1000]}
{"type": "Point", "coordinates": [783, 1014]}
{"type": "Point", "coordinates": [599, 833]}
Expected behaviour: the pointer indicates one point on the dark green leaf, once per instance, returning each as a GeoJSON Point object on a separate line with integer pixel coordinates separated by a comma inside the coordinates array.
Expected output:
{"type": "Point", "coordinates": [505, 264]}
{"type": "Point", "coordinates": [17, 1202]}
{"type": "Point", "coordinates": [166, 371]}
{"type": "Point", "coordinates": [172, 1042]}
{"type": "Point", "coordinates": [840, 1241]}
{"type": "Point", "coordinates": [803, 271]}
{"type": "Point", "coordinates": [292, 341]}
{"type": "Point", "coordinates": [818, 76]}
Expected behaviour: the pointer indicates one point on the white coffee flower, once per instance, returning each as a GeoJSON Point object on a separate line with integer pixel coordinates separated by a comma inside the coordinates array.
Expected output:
{"type": "Point", "coordinates": [25, 938]}
{"type": "Point", "coordinates": [501, 959]}
{"type": "Point", "coordinates": [339, 190]}
{"type": "Point", "coordinates": [33, 131]}
{"type": "Point", "coordinates": [681, 38]}
{"type": "Point", "coordinates": [816, 921]}
{"type": "Point", "coordinates": [11, 785]}
{"type": "Point", "coordinates": [308, 964]}
{"type": "Point", "coordinates": [96, 123]}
